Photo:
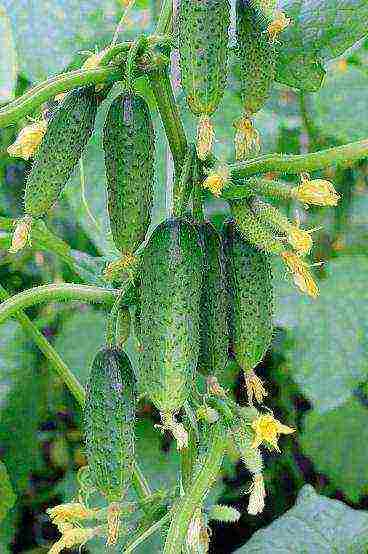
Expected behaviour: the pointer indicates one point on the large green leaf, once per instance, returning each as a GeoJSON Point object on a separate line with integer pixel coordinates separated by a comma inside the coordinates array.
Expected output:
{"type": "Point", "coordinates": [315, 525]}
{"type": "Point", "coordinates": [320, 30]}
{"type": "Point", "coordinates": [328, 337]}
{"type": "Point", "coordinates": [8, 59]}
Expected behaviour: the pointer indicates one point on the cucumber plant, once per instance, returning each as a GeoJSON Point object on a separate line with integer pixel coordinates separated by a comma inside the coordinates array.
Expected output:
{"type": "Point", "coordinates": [194, 296]}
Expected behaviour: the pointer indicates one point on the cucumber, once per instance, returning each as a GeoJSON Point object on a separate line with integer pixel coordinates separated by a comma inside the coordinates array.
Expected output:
{"type": "Point", "coordinates": [66, 136]}
{"type": "Point", "coordinates": [251, 295]}
{"type": "Point", "coordinates": [203, 48]}
{"type": "Point", "coordinates": [110, 423]}
{"type": "Point", "coordinates": [171, 281]}
{"type": "Point", "coordinates": [214, 334]}
{"type": "Point", "coordinates": [129, 146]}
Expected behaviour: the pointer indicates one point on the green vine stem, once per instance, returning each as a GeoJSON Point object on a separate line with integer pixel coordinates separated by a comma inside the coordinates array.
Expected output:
{"type": "Point", "coordinates": [257, 185]}
{"type": "Point", "coordinates": [135, 542]}
{"type": "Point", "coordinates": [164, 24]}
{"type": "Point", "coordinates": [347, 153]}
{"type": "Point", "coordinates": [185, 184]}
{"type": "Point", "coordinates": [56, 293]}
{"type": "Point", "coordinates": [197, 491]}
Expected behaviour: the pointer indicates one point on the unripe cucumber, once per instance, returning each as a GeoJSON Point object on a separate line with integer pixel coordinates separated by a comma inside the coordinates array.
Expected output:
{"type": "Point", "coordinates": [251, 298]}
{"type": "Point", "coordinates": [257, 55]}
{"type": "Point", "coordinates": [214, 334]}
{"type": "Point", "coordinates": [129, 145]}
{"type": "Point", "coordinates": [110, 422]}
{"type": "Point", "coordinates": [67, 134]}
{"type": "Point", "coordinates": [171, 281]}
{"type": "Point", "coordinates": [203, 47]}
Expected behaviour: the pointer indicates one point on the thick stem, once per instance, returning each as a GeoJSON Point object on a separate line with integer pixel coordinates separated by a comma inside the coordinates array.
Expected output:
{"type": "Point", "coordinates": [301, 162]}
{"type": "Point", "coordinates": [185, 184]}
{"type": "Point", "coordinates": [257, 185]}
{"type": "Point", "coordinates": [197, 491]}
{"type": "Point", "coordinates": [56, 293]}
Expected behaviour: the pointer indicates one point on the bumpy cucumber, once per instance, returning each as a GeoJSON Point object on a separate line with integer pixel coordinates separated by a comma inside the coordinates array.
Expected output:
{"type": "Point", "coordinates": [67, 135]}
{"type": "Point", "coordinates": [171, 280]}
{"type": "Point", "coordinates": [251, 298]}
{"type": "Point", "coordinates": [110, 422]}
{"type": "Point", "coordinates": [129, 145]}
{"type": "Point", "coordinates": [257, 55]}
{"type": "Point", "coordinates": [214, 335]}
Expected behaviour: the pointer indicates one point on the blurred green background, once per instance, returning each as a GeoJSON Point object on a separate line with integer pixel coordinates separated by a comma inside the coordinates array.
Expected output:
{"type": "Point", "coordinates": [316, 369]}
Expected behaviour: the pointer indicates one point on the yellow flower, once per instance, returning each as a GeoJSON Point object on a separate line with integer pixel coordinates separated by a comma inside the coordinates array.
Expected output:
{"type": "Point", "coordinates": [257, 495]}
{"type": "Point", "coordinates": [276, 27]}
{"type": "Point", "coordinates": [318, 192]}
{"type": "Point", "coordinates": [73, 536]}
{"type": "Point", "coordinates": [69, 512]}
{"type": "Point", "coordinates": [113, 269]}
{"type": "Point", "coordinates": [216, 182]}
{"type": "Point", "coordinates": [300, 239]}
{"type": "Point", "coordinates": [301, 274]}
{"type": "Point", "coordinates": [247, 139]}
{"type": "Point", "coordinates": [21, 235]}
{"type": "Point", "coordinates": [205, 136]}
{"type": "Point", "coordinates": [267, 429]}
{"type": "Point", "coordinates": [254, 387]}
{"type": "Point", "coordinates": [28, 140]}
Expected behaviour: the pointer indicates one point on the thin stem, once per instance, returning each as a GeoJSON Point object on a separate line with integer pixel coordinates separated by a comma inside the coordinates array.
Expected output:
{"type": "Point", "coordinates": [121, 23]}
{"type": "Point", "coordinates": [49, 352]}
{"type": "Point", "coordinates": [132, 545]}
{"type": "Point", "coordinates": [140, 43]}
{"type": "Point", "coordinates": [310, 126]}
{"type": "Point", "coordinates": [185, 184]}
{"type": "Point", "coordinates": [301, 162]}
{"type": "Point", "coordinates": [111, 321]}
{"type": "Point", "coordinates": [197, 491]}
{"type": "Point", "coordinates": [164, 24]}
{"type": "Point", "coordinates": [140, 483]}
{"type": "Point", "coordinates": [188, 456]}
{"type": "Point", "coordinates": [83, 195]}
{"type": "Point", "coordinates": [56, 293]}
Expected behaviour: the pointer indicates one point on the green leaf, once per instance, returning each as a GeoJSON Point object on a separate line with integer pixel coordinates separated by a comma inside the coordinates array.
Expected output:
{"type": "Point", "coordinates": [328, 337]}
{"type": "Point", "coordinates": [314, 525]}
{"type": "Point", "coordinates": [320, 31]}
{"type": "Point", "coordinates": [337, 444]}
{"type": "Point", "coordinates": [7, 496]}
{"type": "Point", "coordinates": [8, 59]}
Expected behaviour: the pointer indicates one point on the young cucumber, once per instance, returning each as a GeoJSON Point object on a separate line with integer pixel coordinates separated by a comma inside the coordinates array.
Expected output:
{"type": "Point", "coordinates": [109, 423]}
{"type": "Point", "coordinates": [214, 335]}
{"type": "Point", "coordinates": [251, 295]}
{"type": "Point", "coordinates": [203, 47]}
{"type": "Point", "coordinates": [129, 145]}
{"type": "Point", "coordinates": [171, 281]}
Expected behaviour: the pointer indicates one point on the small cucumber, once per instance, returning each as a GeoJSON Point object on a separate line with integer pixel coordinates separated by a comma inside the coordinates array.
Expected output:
{"type": "Point", "coordinates": [110, 423]}
{"type": "Point", "coordinates": [129, 146]}
{"type": "Point", "coordinates": [251, 296]}
{"type": "Point", "coordinates": [214, 334]}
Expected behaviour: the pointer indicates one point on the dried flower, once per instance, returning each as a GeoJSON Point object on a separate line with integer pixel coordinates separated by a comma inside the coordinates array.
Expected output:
{"type": "Point", "coordinates": [70, 511]}
{"type": "Point", "coordinates": [278, 25]}
{"type": "Point", "coordinates": [28, 140]}
{"type": "Point", "coordinates": [254, 387]}
{"type": "Point", "coordinates": [318, 192]}
{"type": "Point", "coordinates": [21, 235]}
{"type": "Point", "coordinates": [247, 139]}
{"type": "Point", "coordinates": [205, 136]}
{"type": "Point", "coordinates": [257, 495]}
{"type": "Point", "coordinates": [301, 274]}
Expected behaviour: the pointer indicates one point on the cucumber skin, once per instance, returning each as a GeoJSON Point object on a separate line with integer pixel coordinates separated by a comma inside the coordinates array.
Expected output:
{"type": "Point", "coordinates": [203, 48]}
{"type": "Point", "coordinates": [171, 281]}
{"type": "Point", "coordinates": [110, 423]}
{"type": "Point", "coordinates": [249, 278]}
{"type": "Point", "coordinates": [257, 56]}
{"type": "Point", "coordinates": [67, 135]}
{"type": "Point", "coordinates": [129, 146]}
{"type": "Point", "coordinates": [214, 332]}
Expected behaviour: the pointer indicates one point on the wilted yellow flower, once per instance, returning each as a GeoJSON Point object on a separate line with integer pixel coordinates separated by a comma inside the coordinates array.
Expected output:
{"type": "Point", "coordinates": [257, 495]}
{"type": "Point", "coordinates": [169, 423]}
{"type": "Point", "coordinates": [28, 140]}
{"type": "Point", "coordinates": [267, 429]}
{"type": "Point", "coordinates": [217, 181]}
{"type": "Point", "coordinates": [93, 61]}
{"type": "Point", "coordinates": [126, 263]}
{"type": "Point", "coordinates": [300, 239]}
{"type": "Point", "coordinates": [197, 536]}
{"type": "Point", "coordinates": [247, 139]}
{"type": "Point", "coordinates": [276, 27]}
{"type": "Point", "coordinates": [73, 536]}
{"type": "Point", "coordinates": [113, 523]}
{"type": "Point", "coordinates": [21, 234]}
{"type": "Point", "coordinates": [70, 512]}
{"type": "Point", "coordinates": [254, 387]}
{"type": "Point", "coordinates": [214, 387]}
{"type": "Point", "coordinates": [301, 274]}
{"type": "Point", "coordinates": [205, 137]}
{"type": "Point", "coordinates": [318, 192]}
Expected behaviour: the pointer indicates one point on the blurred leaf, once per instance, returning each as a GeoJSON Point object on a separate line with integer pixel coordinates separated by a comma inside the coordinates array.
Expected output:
{"type": "Point", "coordinates": [320, 30]}
{"type": "Point", "coordinates": [328, 339]}
{"type": "Point", "coordinates": [314, 524]}
{"type": "Point", "coordinates": [7, 496]}
{"type": "Point", "coordinates": [8, 60]}
{"type": "Point", "coordinates": [89, 268]}
{"type": "Point", "coordinates": [337, 443]}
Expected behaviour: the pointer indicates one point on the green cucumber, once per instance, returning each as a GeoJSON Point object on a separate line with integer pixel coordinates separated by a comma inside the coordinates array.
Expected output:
{"type": "Point", "coordinates": [171, 281]}
{"type": "Point", "coordinates": [214, 335]}
{"type": "Point", "coordinates": [129, 146]}
{"type": "Point", "coordinates": [249, 278]}
{"type": "Point", "coordinates": [67, 135]}
{"type": "Point", "coordinates": [110, 423]}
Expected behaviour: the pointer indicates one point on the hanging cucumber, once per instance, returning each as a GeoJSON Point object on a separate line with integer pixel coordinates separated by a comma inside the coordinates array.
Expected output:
{"type": "Point", "coordinates": [171, 280]}
{"type": "Point", "coordinates": [66, 136]}
{"type": "Point", "coordinates": [203, 47]}
{"type": "Point", "coordinates": [251, 299]}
